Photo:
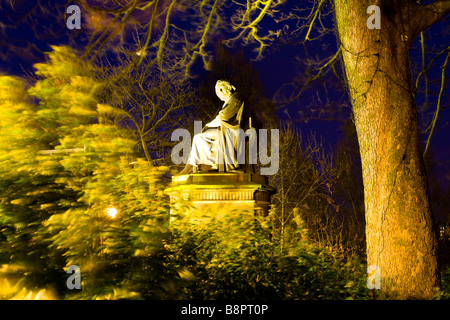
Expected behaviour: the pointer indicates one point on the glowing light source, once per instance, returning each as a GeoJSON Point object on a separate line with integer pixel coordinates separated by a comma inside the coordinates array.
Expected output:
{"type": "Point", "coordinates": [111, 212]}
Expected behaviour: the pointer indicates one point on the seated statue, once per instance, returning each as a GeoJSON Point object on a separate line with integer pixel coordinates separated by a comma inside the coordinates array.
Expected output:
{"type": "Point", "coordinates": [215, 148]}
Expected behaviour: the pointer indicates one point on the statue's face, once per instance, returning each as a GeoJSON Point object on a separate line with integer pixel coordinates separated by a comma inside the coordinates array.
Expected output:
{"type": "Point", "coordinates": [223, 90]}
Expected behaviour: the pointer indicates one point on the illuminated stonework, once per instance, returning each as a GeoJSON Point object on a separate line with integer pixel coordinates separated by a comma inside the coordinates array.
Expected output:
{"type": "Point", "coordinates": [209, 195]}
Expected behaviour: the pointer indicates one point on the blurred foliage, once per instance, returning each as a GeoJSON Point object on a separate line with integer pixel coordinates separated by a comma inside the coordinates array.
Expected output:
{"type": "Point", "coordinates": [54, 148]}
{"type": "Point", "coordinates": [19, 291]}
{"type": "Point", "coordinates": [235, 257]}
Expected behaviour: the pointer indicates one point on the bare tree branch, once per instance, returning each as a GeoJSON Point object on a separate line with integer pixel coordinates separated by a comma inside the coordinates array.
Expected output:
{"type": "Point", "coordinates": [438, 107]}
{"type": "Point", "coordinates": [426, 15]}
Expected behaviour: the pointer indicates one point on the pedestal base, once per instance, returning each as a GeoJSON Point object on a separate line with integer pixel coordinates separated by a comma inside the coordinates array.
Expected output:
{"type": "Point", "coordinates": [210, 195]}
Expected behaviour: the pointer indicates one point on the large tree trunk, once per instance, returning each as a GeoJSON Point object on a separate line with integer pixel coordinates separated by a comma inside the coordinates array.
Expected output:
{"type": "Point", "coordinates": [399, 225]}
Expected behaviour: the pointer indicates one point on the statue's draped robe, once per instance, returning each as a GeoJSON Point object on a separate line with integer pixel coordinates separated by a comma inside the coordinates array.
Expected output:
{"type": "Point", "coordinates": [217, 144]}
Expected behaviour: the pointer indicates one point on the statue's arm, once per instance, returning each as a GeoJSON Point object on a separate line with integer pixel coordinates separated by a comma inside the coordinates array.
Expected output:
{"type": "Point", "coordinates": [214, 123]}
{"type": "Point", "coordinates": [231, 108]}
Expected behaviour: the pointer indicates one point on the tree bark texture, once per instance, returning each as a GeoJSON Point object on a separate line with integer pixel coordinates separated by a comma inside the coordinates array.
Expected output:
{"type": "Point", "coordinates": [400, 235]}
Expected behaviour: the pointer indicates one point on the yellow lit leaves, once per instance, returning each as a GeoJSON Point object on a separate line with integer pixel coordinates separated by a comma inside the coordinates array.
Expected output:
{"type": "Point", "coordinates": [21, 201]}
{"type": "Point", "coordinates": [118, 294]}
{"type": "Point", "coordinates": [19, 292]}
{"type": "Point", "coordinates": [104, 109]}
{"type": "Point", "coordinates": [186, 274]}
{"type": "Point", "coordinates": [11, 89]}
{"type": "Point", "coordinates": [63, 65]}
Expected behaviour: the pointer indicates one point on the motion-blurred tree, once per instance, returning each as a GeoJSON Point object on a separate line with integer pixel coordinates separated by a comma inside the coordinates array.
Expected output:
{"type": "Point", "coordinates": [29, 194]}
{"type": "Point", "coordinates": [58, 153]}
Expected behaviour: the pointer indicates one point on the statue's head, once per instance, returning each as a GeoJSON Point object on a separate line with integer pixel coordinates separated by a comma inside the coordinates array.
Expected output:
{"type": "Point", "coordinates": [224, 89]}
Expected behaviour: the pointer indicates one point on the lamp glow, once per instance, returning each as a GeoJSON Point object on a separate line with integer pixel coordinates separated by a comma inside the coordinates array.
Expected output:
{"type": "Point", "coordinates": [111, 212]}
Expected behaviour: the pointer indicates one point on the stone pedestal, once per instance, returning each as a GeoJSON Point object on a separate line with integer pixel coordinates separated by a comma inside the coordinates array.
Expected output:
{"type": "Point", "coordinates": [212, 194]}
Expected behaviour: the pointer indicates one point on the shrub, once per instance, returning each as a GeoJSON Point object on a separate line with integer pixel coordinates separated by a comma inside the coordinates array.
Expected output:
{"type": "Point", "coordinates": [235, 258]}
